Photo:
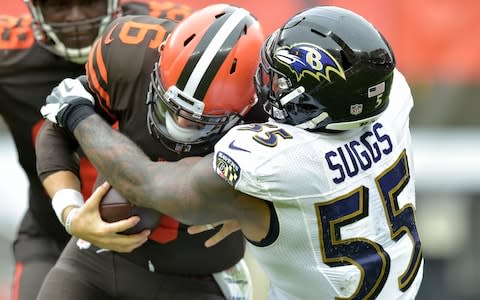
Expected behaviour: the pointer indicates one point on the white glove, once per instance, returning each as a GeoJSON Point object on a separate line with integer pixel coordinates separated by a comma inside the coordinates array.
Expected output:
{"type": "Point", "coordinates": [68, 92]}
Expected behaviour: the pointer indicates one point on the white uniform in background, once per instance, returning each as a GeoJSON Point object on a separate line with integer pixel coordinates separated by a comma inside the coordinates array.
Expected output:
{"type": "Point", "coordinates": [335, 196]}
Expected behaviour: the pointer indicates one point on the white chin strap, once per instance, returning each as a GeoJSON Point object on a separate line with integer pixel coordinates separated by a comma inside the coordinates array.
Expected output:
{"type": "Point", "coordinates": [351, 125]}
{"type": "Point", "coordinates": [312, 123]}
{"type": "Point", "coordinates": [342, 126]}
{"type": "Point", "coordinates": [180, 133]}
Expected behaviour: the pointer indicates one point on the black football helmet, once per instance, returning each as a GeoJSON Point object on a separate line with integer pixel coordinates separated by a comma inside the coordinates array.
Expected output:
{"type": "Point", "coordinates": [70, 39]}
{"type": "Point", "coordinates": [327, 68]}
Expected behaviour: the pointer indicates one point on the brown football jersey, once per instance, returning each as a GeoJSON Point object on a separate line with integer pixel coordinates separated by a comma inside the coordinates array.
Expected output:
{"type": "Point", "coordinates": [119, 72]}
{"type": "Point", "coordinates": [28, 73]}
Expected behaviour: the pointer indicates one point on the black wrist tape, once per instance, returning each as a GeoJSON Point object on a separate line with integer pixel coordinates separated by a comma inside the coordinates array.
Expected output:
{"type": "Point", "coordinates": [76, 113]}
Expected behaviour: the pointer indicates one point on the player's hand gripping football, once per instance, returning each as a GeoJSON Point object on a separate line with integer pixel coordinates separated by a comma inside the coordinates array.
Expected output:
{"type": "Point", "coordinates": [88, 225]}
{"type": "Point", "coordinates": [63, 99]}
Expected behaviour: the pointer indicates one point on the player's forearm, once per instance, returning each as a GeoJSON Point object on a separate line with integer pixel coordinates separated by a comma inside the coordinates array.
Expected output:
{"type": "Point", "coordinates": [58, 169]}
{"type": "Point", "coordinates": [61, 180]}
{"type": "Point", "coordinates": [181, 189]}
{"type": "Point", "coordinates": [66, 185]}
{"type": "Point", "coordinates": [116, 157]}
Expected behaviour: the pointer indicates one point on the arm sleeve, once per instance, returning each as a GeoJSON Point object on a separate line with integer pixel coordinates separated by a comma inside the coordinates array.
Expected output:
{"type": "Point", "coordinates": [55, 151]}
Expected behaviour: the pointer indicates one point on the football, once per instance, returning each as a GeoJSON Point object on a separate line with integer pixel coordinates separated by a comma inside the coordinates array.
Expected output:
{"type": "Point", "coordinates": [114, 207]}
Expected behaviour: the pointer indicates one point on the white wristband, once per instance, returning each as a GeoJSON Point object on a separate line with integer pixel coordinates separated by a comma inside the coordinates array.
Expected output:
{"type": "Point", "coordinates": [68, 219]}
{"type": "Point", "coordinates": [64, 198]}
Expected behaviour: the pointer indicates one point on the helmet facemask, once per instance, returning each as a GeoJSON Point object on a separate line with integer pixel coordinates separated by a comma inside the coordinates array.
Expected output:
{"type": "Point", "coordinates": [72, 40]}
{"type": "Point", "coordinates": [180, 122]}
{"type": "Point", "coordinates": [284, 102]}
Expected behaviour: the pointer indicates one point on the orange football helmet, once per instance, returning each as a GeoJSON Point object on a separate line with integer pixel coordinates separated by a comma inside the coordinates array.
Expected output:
{"type": "Point", "coordinates": [203, 83]}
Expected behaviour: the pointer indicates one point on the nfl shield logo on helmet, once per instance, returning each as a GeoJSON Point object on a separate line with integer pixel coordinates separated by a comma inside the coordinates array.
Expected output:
{"type": "Point", "coordinates": [356, 109]}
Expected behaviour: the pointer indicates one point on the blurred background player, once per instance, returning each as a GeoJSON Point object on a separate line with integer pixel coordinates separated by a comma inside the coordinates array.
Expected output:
{"type": "Point", "coordinates": [211, 59]}
{"type": "Point", "coordinates": [37, 51]}
{"type": "Point", "coordinates": [324, 191]}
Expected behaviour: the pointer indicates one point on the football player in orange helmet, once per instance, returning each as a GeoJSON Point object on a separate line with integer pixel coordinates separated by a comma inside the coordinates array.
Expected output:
{"type": "Point", "coordinates": [206, 79]}
{"type": "Point", "coordinates": [201, 74]}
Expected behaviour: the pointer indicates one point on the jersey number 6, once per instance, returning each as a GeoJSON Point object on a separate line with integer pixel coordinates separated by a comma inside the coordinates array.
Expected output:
{"type": "Point", "coordinates": [134, 33]}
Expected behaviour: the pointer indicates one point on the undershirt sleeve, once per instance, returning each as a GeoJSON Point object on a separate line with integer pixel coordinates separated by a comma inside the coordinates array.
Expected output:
{"type": "Point", "coordinates": [55, 151]}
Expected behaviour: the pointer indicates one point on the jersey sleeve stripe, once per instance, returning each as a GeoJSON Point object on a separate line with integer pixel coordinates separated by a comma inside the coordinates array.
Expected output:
{"type": "Point", "coordinates": [100, 62]}
{"type": "Point", "coordinates": [99, 91]}
{"type": "Point", "coordinates": [93, 81]}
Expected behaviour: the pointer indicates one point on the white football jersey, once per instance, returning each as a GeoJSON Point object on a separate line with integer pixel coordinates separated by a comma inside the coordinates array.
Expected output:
{"type": "Point", "coordinates": [345, 204]}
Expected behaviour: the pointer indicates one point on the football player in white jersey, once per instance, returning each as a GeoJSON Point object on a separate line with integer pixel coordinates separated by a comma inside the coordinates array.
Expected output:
{"type": "Point", "coordinates": [324, 192]}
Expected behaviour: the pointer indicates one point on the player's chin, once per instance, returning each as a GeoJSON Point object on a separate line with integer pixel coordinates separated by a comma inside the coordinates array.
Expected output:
{"type": "Point", "coordinates": [78, 40]}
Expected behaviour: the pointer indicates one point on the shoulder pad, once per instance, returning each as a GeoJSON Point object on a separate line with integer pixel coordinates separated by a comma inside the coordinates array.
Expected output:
{"type": "Point", "coordinates": [243, 153]}
{"type": "Point", "coordinates": [169, 10]}
{"type": "Point", "coordinates": [166, 9]}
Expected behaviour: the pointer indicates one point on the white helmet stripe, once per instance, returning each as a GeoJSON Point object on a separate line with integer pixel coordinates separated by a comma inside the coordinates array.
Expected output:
{"type": "Point", "coordinates": [212, 49]}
